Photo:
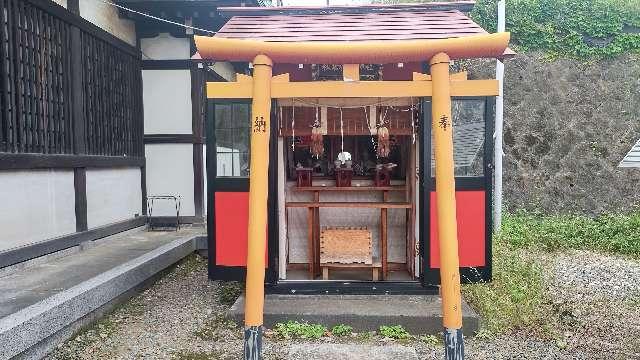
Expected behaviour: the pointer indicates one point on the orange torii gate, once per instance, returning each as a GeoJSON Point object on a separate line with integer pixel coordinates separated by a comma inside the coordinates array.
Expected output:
{"type": "Point", "coordinates": [262, 87]}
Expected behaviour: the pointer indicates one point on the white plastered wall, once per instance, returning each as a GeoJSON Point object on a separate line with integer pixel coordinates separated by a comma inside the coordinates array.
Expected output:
{"type": "Point", "coordinates": [167, 101]}
{"type": "Point", "coordinates": [35, 205]}
{"type": "Point", "coordinates": [113, 195]}
{"type": "Point", "coordinates": [106, 17]}
{"type": "Point", "coordinates": [170, 172]}
{"type": "Point", "coordinates": [165, 47]}
{"type": "Point", "coordinates": [167, 110]}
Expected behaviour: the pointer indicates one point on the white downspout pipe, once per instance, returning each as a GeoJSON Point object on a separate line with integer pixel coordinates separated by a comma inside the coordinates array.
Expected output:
{"type": "Point", "coordinates": [498, 153]}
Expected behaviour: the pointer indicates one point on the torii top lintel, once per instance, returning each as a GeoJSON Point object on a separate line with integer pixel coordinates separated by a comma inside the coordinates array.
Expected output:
{"type": "Point", "coordinates": [352, 52]}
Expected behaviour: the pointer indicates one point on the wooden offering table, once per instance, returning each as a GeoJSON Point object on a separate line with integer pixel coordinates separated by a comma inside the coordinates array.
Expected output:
{"type": "Point", "coordinates": [313, 220]}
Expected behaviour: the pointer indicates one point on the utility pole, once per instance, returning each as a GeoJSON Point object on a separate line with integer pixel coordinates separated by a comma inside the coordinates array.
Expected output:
{"type": "Point", "coordinates": [497, 137]}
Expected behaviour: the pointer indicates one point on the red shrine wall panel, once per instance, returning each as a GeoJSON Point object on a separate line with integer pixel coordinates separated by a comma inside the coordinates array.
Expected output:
{"type": "Point", "coordinates": [232, 221]}
{"type": "Point", "coordinates": [470, 211]}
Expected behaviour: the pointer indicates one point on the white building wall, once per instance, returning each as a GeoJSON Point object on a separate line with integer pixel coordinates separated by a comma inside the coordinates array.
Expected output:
{"type": "Point", "coordinates": [106, 17]}
{"type": "Point", "coordinates": [35, 205]}
{"type": "Point", "coordinates": [113, 195]}
{"type": "Point", "coordinates": [168, 110]}
{"type": "Point", "coordinates": [165, 47]}
{"type": "Point", "coordinates": [170, 172]}
{"type": "Point", "coordinates": [167, 101]}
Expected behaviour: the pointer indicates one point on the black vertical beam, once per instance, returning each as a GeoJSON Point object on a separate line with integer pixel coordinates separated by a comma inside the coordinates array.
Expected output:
{"type": "Point", "coordinates": [197, 98]}
{"type": "Point", "coordinates": [143, 186]}
{"type": "Point", "coordinates": [489, 118]}
{"type": "Point", "coordinates": [79, 130]}
{"type": "Point", "coordinates": [273, 226]}
{"type": "Point", "coordinates": [211, 181]}
{"type": "Point", "coordinates": [80, 189]}
{"type": "Point", "coordinates": [425, 188]}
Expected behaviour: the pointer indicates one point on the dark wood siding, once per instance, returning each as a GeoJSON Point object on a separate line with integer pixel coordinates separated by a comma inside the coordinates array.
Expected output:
{"type": "Point", "coordinates": [65, 86]}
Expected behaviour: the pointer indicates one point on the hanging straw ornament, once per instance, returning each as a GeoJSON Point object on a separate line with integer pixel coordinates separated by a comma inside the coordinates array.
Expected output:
{"type": "Point", "coordinates": [384, 146]}
{"type": "Point", "coordinates": [317, 145]}
{"type": "Point", "coordinates": [413, 123]}
{"type": "Point", "coordinates": [293, 125]}
{"type": "Point", "coordinates": [341, 133]}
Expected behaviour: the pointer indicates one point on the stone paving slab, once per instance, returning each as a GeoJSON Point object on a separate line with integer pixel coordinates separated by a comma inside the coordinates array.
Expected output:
{"type": "Point", "coordinates": [350, 352]}
{"type": "Point", "coordinates": [41, 301]}
{"type": "Point", "coordinates": [419, 314]}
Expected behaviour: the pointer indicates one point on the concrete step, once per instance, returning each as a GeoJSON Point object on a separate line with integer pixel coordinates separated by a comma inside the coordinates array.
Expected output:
{"type": "Point", "coordinates": [419, 314]}
{"type": "Point", "coordinates": [43, 305]}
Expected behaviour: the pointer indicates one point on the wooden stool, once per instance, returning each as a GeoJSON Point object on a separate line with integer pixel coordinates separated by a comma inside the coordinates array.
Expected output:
{"type": "Point", "coordinates": [346, 248]}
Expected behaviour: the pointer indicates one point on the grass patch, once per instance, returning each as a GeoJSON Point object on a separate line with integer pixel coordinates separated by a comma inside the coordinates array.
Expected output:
{"type": "Point", "coordinates": [396, 332]}
{"type": "Point", "coordinates": [301, 330]}
{"type": "Point", "coordinates": [341, 330]}
{"type": "Point", "coordinates": [616, 234]}
{"type": "Point", "coordinates": [516, 298]}
{"type": "Point", "coordinates": [229, 292]}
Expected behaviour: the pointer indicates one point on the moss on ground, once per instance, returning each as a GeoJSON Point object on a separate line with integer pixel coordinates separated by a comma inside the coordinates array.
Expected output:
{"type": "Point", "coordinates": [215, 328]}
{"type": "Point", "coordinates": [229, 292]}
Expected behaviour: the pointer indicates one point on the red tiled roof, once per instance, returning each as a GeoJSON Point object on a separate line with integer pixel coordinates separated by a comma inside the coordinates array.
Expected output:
{"type": "Point", "coordinates": [229, 11]}
{"type": "Point", "coordinates": [395, 25]}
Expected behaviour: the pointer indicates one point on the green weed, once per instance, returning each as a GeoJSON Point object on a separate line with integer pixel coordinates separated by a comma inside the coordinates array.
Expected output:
{"type": "Point", "coordinates": [430, 340]}
{"type": "Point", "coordinates": [294, 329]}
{"type": "Point", "coordinates": [396, 332]}
{"type": "Point", "coordinates": [341, 330]}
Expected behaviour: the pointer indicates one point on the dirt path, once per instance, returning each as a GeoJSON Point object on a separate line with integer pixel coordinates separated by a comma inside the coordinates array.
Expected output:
{"type": "Point", "coordinates": [181, 317]}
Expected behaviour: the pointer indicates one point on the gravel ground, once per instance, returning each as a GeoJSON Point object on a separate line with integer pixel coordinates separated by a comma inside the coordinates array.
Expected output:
{"type": "Point", "coordinates": [598, 298]}
{"type": "Point", "coordinates": [181, 317]}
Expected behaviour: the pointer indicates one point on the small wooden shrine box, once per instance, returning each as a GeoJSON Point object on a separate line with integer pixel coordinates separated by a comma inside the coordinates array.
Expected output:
{"type": "Point", "coordinates": [382, 177]}
{"type": "Point", "coordinates": [304, 176]}
{"type": "Point", "coordinates": [343, 177]}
